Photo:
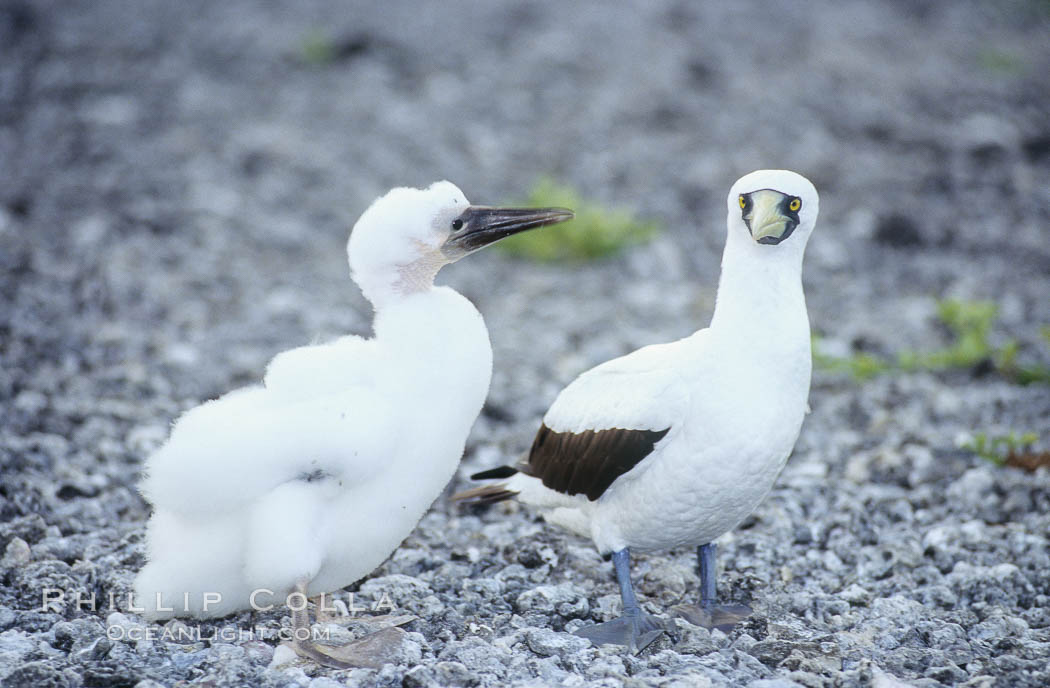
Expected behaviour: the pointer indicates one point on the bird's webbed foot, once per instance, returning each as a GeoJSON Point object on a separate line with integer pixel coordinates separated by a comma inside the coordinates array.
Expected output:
{"type": "Point", "coordinates": [636, 630]}
{"type": "Point", "coordinates": [710, 616]}
{"type": "Point", "coordinates": [371, 652]}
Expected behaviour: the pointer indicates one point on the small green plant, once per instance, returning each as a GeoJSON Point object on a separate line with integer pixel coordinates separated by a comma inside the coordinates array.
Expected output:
{"type": "Point", "coordinates": [1000, 62]}
{"type": "Point", "coordinates": [317, 48]}
{"type": "Point", "coordinates": [999, 448]}
{"type": "Point", "coordinates": [970, 324]}
{"type": "Point", "coordinates": [1023, 373]}
{"type": "Point", "coordinates": [596, 232]}
{"type": "Point", "coordinates": [862, 366]}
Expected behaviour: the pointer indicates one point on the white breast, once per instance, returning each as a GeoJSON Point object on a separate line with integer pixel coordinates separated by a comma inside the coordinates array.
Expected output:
{"type": "Point", "coordinates": [708, 475]}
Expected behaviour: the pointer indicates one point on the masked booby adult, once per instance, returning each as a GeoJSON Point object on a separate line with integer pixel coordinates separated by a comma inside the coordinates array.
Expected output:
{"type": "Point", "coordinates": [675, 444]}
{"type": "Point", "coordinates": [307, 482]}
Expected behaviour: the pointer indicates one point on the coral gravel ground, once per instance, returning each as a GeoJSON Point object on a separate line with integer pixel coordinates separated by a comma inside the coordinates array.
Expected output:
{"type": "Point", "coordinates": [176, 185]}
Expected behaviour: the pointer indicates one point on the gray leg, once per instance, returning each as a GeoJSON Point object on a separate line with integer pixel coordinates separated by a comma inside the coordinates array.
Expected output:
{"type": "Point", "coordinates": [622, 565]}
{"type": "Point", "coordinates": [709, 614]}
{"type": "Point", "coordinates": [635, 629]}
{"type": "Point", "coordinates": [705, 559]}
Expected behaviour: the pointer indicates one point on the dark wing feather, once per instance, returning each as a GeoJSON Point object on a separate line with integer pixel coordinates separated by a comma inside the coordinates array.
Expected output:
{"type": "Point", "coordinates": [588, 462]}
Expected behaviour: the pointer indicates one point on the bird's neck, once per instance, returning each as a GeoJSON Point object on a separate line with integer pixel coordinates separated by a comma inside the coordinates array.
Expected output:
{"type": "Point", "coordinates": [760, 307]}
{"type": "Point", "coordinates": [439, 342]}
{"type": "Point", "coordinates": [385, 288]}
{"type": "Point", "coordinates": [437, 366]}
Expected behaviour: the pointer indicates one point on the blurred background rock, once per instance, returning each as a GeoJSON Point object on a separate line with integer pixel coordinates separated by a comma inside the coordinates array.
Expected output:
{"type": "Point", "coordinates": [177, 181]}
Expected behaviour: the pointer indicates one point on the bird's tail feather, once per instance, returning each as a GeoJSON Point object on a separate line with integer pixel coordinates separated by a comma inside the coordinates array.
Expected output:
{"type": "Point", "coordinates": [497, 473]}
{"type": "Point", "coordinates": [485, 494]}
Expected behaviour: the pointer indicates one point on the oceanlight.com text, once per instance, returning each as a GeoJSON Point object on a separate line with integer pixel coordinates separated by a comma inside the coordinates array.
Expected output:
{"type": "Point", "coordinates": [193, 634]}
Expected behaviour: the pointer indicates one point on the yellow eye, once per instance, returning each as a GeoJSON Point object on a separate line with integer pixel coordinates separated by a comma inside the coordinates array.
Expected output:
{"type": "Point", "coordinates": [795, 204]}
{"type": "Point", "coordinates": [743, 203]}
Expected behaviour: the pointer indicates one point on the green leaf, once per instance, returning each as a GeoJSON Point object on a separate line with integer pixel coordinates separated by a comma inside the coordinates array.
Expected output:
{"type": "Point", "coordinates": [596, 232]}
{"type": "Point", "coordinates": [317, 48]}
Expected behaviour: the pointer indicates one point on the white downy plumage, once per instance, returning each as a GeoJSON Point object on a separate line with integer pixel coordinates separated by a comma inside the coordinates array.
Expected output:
{"type": "Point", "coordinates": [723, 408]}
{"type": "Point", "coordinates": [309, 481]}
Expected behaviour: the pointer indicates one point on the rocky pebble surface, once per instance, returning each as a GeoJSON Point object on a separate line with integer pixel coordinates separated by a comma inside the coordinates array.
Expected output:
{"type": "Point", "coordinates": [176, 184]}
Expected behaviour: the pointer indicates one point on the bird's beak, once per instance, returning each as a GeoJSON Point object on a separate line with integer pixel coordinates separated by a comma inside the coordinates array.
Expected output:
{"type": "Point", "coordinates": [484, 225]}
{"type": "Point", "coordinates": [766, 219]}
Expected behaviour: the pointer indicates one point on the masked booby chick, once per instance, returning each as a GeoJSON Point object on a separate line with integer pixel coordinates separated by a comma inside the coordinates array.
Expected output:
{"type": "Point", "coordinates": [675, 444]}
{"type": "Point", "coordinates": [307, 482]}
